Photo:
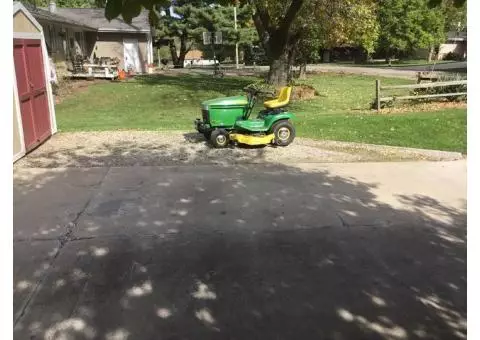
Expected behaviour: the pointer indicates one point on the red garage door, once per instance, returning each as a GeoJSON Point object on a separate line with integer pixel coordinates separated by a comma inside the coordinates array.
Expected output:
{"type": "Point", "coordinates": [32, 91]}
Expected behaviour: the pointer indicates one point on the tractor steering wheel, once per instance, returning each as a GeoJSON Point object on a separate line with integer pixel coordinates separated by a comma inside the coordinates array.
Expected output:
{"type": "Point", "coordinates": [250, 89]}
{"type": "Point", "coordinates": [256, 91]}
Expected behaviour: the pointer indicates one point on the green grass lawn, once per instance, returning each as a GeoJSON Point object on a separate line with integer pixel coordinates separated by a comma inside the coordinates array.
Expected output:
{"type": "Point", "coordinates": [340, 112]}
{"type": "Point", "coordinates": [442, 130]}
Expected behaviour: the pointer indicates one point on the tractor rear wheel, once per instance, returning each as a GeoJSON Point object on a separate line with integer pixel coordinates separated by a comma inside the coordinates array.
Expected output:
{"type": "Point", "coordinates": [219, 138]}
{"type": "Point", "coordinates": [284, 133]}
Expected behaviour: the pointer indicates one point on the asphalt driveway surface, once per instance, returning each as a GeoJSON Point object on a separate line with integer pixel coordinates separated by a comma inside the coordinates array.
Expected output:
{"type": "Point", "coordinates": [253, 251]}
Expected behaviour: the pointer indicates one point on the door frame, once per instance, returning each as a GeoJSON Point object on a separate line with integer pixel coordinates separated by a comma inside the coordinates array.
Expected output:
{"type": "Point", "coordinates": [18, 115]}
{"type": "Point", "coordinates": [138, 52]}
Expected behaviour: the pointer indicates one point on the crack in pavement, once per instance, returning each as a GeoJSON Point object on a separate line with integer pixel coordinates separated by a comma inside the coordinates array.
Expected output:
{"type": "Point", "coordinates": [63, 240]}
{"type": "Point", "coordinates": [344, 223]}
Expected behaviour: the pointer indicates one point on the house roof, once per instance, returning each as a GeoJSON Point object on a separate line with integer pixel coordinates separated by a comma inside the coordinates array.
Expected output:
{"type": "Point", "coordinates": [457, 36]}
{"type": "Point", "coordinates": [42, 14]}
{"type": "Point", "coordinates": [95, 17]}
{"type": "Point", "coordinates": [194, 54]}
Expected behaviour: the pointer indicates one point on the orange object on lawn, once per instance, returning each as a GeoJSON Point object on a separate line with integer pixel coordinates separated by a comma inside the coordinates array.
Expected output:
{"type": "Point", "coordinates": [121, 75]}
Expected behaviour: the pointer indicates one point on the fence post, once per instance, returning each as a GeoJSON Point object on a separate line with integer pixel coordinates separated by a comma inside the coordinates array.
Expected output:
{"type": "Point", "coordinates": [377, 94]}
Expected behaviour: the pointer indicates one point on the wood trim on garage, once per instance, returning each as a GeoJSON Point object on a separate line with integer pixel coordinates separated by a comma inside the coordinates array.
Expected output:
{"type": "Point", "coordinates": [18, 116]}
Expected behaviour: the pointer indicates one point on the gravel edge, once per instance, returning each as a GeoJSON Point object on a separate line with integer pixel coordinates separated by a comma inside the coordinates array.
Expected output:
{"type": "Point", "coordinates": [405, 152]}
{"type": "Point", "coordinates": [165, 148]}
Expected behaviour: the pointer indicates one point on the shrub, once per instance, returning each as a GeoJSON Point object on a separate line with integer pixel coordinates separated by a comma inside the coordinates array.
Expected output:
{"type": "Point", "coordinates": [383, 104]}
{"type": "Point", "coordinates": [54, 88]}
{"type": "Point", "coordinates": [300, 91]}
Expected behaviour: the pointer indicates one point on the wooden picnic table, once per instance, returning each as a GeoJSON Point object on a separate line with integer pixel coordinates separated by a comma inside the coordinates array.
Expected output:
{"type": "Point", "coordinates": [93, 70]}
{"type": "Point", "coordinates": [106, 68]}
{"type": "Point", "coordinates": [100, 65]}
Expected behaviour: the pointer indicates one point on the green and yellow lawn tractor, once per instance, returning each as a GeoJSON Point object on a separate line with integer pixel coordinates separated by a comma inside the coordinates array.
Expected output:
{"type": "Point", "coordinates": [226, 120]}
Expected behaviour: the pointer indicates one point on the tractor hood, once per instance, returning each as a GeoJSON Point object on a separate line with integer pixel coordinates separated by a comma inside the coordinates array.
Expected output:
{"type": "Point", "coordinates": [236, 101]}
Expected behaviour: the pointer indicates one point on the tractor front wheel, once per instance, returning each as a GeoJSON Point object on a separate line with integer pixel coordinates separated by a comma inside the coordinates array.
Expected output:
{"type": "Point", "coordinates": [219, 138]}
{"type": "Point", "coordinates": [284, 133]}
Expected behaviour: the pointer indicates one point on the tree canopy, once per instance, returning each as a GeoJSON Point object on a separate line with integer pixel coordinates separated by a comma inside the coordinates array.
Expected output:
{"type": "Point", "coordinates": [289, 27]}
{"type": "Point", "coordinates": [183, 27]}
{"type": "Point", "coordinates": [409, 24]}
{"type": "Point", "coordinates": [455, 16]}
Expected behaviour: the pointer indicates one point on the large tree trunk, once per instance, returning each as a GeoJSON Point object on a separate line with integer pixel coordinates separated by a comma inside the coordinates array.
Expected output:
{"type": "Point", "coordinates": [388, 56]}
{"type": "Point", "coordinates": [326, 56]}
{"type": "Point", "coordinates": [431, 53]}
{"type": "Point", "coordinates": [303, 71]}
{"type": "Point", "coordinates": [279, 70]}
{"type": "Point", "coordinates": [183, 50]}
{"type": "Point", "coordinates": [275, 39]}
{"type": "Point", "coordinates": [173, 52]}
{"type": "Point", "coordinates": [291, 62]}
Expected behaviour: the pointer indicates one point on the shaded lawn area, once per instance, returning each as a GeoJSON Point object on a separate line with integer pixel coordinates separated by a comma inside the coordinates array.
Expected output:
{"type": "Point", "coordinates": [341, 111]}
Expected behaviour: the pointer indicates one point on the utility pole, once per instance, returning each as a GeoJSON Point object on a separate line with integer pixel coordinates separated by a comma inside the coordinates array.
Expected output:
{"type": "Point", "coordinates": [236, 44]}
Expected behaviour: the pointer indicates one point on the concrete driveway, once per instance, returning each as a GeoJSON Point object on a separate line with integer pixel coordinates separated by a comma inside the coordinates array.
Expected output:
{"type": "Point", "coordinates": [253, 251]}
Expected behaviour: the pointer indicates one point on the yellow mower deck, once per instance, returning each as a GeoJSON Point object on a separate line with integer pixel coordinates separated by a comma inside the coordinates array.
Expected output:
{"type": "Point", "coordinates": [251, 140]}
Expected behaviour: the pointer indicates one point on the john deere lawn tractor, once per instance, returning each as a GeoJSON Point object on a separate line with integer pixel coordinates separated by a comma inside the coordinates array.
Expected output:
{"type": "Point", "coordinates": [226, 120]}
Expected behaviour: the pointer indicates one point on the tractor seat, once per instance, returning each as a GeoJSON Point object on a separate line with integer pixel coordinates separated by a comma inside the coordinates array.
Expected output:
{"type": "Point", "coordinates": [282, 100]}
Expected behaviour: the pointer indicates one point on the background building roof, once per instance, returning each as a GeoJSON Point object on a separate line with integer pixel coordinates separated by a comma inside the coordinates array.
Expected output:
{"type": "Point", "coordinates": [43, 14]}
{"type": "Point", "coordinates": [95, 17]}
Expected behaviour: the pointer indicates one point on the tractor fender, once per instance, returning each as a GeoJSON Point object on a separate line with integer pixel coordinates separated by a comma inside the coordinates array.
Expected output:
{"type": "Point", "coordinates": [272, 119]}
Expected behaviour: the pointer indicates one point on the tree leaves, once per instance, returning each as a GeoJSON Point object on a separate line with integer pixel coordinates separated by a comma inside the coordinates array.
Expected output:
{"type": "Point", "coordinates": [113, 9]}
{"type": "Point", "coordinates": [153, 18]}
{"type": "Point", "coordinates": [437, 3]}
{"type": "Point", "coordinates": [327, 24]}
{"type": "Point", "coordinates": [192, 21]}
{"type": "Point", "coordinates": [130, 10]}
{"type": "Point", "coordinates": [409, 24]}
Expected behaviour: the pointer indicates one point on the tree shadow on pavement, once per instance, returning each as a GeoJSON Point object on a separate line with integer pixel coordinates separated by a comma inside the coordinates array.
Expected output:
{"type": "Point", "coordinates": [232, 252]}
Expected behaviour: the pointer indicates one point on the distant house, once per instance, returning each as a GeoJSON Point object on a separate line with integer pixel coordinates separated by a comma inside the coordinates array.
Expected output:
{"type": "Point", "coordinates": [194, 58]}
{"type": "Point", "coordinates": [194, 55]}
{"type": "Point", "coordinates": [86, 32]}
{"type": "Point", "coordinates": [456, 43]}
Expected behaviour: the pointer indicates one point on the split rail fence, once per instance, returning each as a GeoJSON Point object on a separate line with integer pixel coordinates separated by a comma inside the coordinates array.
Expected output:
{"type": "Point", "coordinates": [380, 99]}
